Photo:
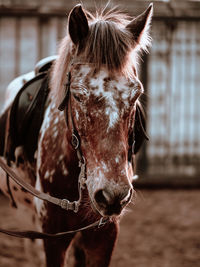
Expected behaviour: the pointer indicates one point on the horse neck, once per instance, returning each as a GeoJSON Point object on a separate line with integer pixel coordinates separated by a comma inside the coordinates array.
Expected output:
{"type": "Point", "coordinates": [58, 134]}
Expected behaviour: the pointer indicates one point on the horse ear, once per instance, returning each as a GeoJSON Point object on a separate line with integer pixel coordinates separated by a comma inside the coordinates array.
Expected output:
{"type": "Point", "coordinates": [139, 27]}
{"type": "Point", "coordinates": [78, 24]}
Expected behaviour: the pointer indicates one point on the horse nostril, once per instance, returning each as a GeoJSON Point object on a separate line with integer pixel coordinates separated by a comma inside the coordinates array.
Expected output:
{"type": "Point", "coordinates": [127, 197]}
{"type": "Point", "coordinates": [102, 197]}
{"type": "Point", "coordinates": [112, 202]}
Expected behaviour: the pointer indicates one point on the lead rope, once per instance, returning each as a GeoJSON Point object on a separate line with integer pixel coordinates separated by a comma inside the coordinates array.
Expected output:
{"type": "Point", "coordinates": [40, 235]}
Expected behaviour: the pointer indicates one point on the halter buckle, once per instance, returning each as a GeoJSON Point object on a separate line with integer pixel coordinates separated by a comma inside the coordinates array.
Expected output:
{"type": "Point", "coordinates": [103, 221]}
{"type": "Point", "coordinates": [65, 204]}
{"type": "Point", "coordinates": [75, 141]}
{"type": "Point", "coordinates": [76, 206]}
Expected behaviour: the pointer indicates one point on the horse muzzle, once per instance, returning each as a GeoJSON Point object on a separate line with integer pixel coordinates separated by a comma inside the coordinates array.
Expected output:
{"type": "Point", "coordinates": [111, 203]}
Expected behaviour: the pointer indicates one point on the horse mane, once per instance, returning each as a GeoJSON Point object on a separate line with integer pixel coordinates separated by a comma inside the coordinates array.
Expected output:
{"type": "Point", "coordinates": [108, 44]}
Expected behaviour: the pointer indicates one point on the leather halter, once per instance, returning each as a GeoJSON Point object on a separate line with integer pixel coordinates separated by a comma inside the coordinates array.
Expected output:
{"type": "Point", "coordinates": [75, 140]}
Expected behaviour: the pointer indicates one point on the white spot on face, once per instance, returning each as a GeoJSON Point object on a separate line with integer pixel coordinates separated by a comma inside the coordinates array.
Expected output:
{"type": "Point", "coordinates": [84, 71]}
{"type": "Point", "coordinates": [125, 95]}
{"type": "Point", "coordinates": [53, 105]}
{"type": "Point", "coordinates": [98, 82]}
{"type": "Point", "coordinates": [111, 90]}
{"type": "Point", "coordinates": [104, 166]}
{"type": "Point", "coordinates": [77, 115]}
{"type": "Point", "coordinates": [56, 120]}
{"type": "Point", "coordinates": [117, 159]}
{"type": "Point", "coordinates": [112, 115]}
{"type": "Point", "coordinates": [55, 134]}
{"type": "Point", "coordinates": [108, 94]}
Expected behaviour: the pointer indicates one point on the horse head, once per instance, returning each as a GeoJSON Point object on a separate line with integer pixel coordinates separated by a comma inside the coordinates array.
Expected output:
{"type": "Point", "coordinates": [100, 55]}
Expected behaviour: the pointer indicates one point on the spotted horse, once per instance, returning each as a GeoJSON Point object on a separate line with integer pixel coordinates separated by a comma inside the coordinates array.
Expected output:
{"type": "Point", "coordinates": [90, 127]}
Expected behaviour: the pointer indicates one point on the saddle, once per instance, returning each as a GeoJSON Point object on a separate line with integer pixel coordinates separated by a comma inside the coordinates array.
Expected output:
{"type": "Point", "coordinates": [26, 113]}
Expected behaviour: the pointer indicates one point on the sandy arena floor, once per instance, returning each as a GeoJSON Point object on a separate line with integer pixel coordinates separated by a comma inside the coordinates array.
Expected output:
{"type": "Point", "coordinates": [161, 230]}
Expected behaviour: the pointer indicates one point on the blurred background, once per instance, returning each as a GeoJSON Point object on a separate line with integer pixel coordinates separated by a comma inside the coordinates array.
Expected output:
{"type": "Point", "coordinates": [31, 30]}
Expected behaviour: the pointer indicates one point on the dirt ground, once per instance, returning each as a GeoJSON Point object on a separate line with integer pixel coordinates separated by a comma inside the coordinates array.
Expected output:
{"type": "Point", "coordinates": [162, 229]}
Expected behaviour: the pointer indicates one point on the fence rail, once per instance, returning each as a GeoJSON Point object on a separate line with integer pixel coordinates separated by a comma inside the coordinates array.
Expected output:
{"type": "Point", "coordinates": [25, 40]}
{"type": "Point", "coordinates": [174, 93]}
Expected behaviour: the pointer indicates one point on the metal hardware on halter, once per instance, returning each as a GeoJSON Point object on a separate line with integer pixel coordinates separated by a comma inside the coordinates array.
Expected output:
{"type": "Point", "coordinates": [67, 205]}
{"type": "Point", "coordinates": [75, 141]}
{"type": "Point", "coordinates": [74, 205]}
{"type": "Point", "coordinates": [103, 221]}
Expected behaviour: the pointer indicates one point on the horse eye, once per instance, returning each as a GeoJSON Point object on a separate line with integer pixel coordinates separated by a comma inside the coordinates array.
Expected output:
{"type": "Point", "coordinates": [77, 98]}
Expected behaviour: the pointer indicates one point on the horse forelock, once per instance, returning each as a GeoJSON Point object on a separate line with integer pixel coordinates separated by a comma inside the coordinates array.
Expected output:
{"type": "Point", "coordinates": [108, 44]}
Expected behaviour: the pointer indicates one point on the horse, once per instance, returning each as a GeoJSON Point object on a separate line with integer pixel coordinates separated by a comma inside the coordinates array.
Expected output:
{"type": "Point", "coordinates": [85, 149]}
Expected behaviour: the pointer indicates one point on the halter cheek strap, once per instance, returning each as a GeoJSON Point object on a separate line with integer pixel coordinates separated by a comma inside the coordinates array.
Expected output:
{"type": "Point", "coordinates": [65, 106]}
{"type": "Point", "coordinates": [64, 102]}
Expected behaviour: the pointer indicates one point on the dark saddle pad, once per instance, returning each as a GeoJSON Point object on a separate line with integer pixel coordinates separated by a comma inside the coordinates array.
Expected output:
{"type": "Point", "coordinates": [26, 113]}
